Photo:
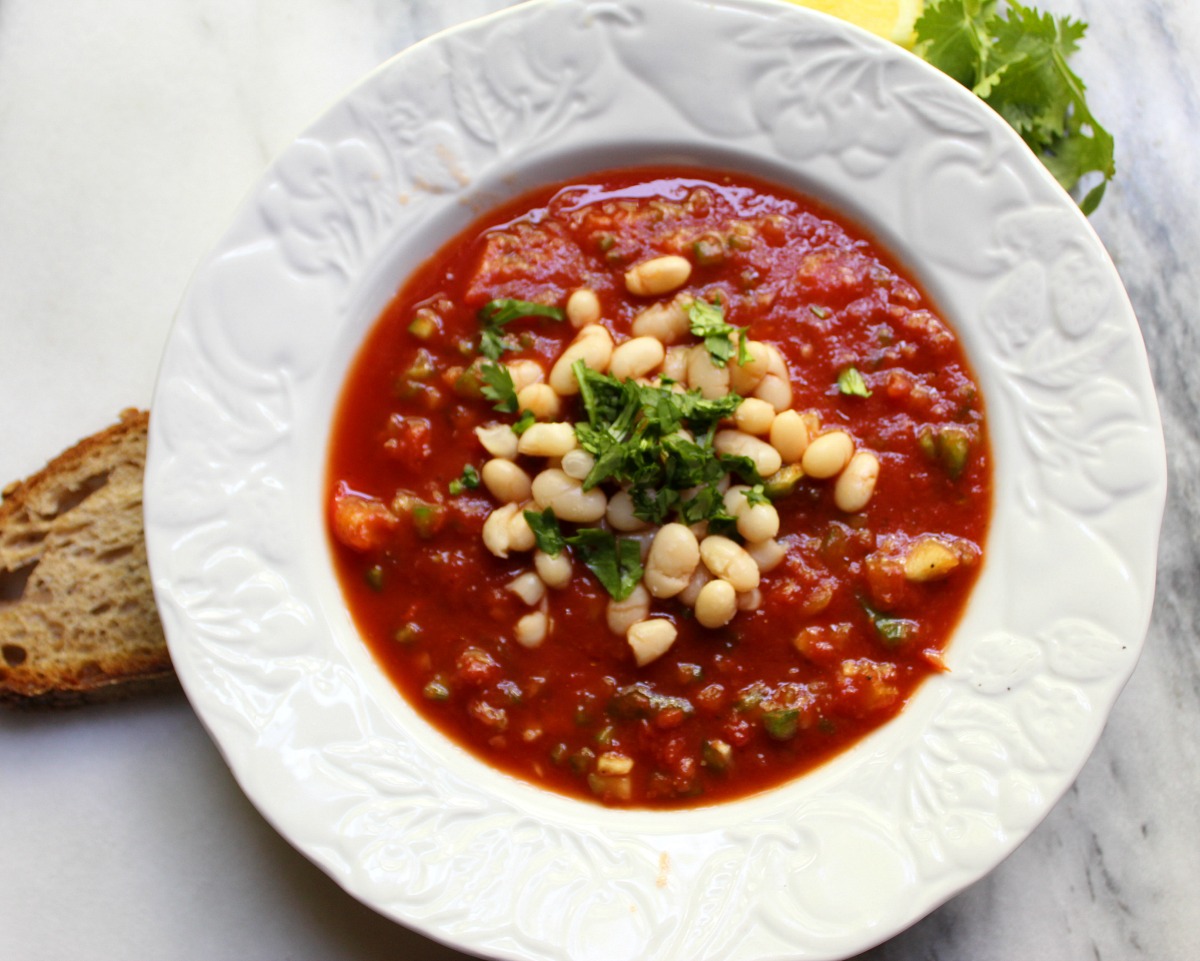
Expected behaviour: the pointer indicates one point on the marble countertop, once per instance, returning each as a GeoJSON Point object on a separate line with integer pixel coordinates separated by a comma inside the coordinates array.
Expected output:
{"type": "Point", "coordinates": [129, 131]}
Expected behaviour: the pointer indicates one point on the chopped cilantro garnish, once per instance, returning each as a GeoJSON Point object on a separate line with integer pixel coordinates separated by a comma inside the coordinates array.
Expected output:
{"type": "Point", "coordinates": [496, 313]}
{"type": "Point", "coordinates": [546, 531]}
{"type": "Point", "coordinates": [498, 386]}
{"type": "Point", "coordinates": [524, 422]}
{"type": "Point", "coordinates": [850, 382]}
{"type": "Point", "coordinates": [757, 495]}
{"type": "Point", "coordinates": [468, 480]}
{"type": "Point", "coordinates": [1017, 63]}
{"type": "Point", "coordinates": [708, 322]}
{"type": "Point", "coordinates": [616, 562]}
{"type": "Point", "coordinates": [635, 432]}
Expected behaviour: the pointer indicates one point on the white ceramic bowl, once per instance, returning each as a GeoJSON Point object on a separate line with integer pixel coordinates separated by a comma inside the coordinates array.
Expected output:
{"type": "Point", "coordinates": [827, 865]}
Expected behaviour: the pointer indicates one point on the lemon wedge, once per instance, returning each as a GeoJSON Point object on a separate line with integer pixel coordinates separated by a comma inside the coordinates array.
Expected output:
{"type": "Point", "coordinates": [891, 19]}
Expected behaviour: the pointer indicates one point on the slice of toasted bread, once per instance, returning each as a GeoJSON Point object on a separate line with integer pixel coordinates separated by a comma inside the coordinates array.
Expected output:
{"type": "Point", "coordinates": [77, 615]}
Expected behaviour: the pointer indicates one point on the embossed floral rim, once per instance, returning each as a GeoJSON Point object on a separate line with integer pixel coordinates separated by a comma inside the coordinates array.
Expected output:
{"type": "Point", "coordinates": [824, 867]}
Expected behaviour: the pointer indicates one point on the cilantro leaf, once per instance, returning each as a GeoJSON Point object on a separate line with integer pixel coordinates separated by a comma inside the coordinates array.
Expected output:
{"type": "Point", "coordinates": [850, 382]}
{"type": "Point", "coordinates": [1017, 63]}
{"type": "Point", "coordinates": [546, 531]}
{"type": "Point", "coordinates": [496, 313]}
{"type": "Point", "coordinates": [707, 321]}
{"type": "Point", "coordinates": [524, 422]}
{"type": "Point", "coordinates": [468, 480]}
{"type": "Point", "coordinates": [498, 386]}
{"type": "Point", "coordinates": [616, 562]}
{"type": "Point", "coordinates": [757, 495]}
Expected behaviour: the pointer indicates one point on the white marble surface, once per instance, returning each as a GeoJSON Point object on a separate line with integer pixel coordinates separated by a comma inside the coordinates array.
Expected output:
{"type": "Point", "coordinates": [129, 130]}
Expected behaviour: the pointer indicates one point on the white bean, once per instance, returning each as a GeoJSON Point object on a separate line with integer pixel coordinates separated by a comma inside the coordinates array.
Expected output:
{"type": "Point", "coordinates": [524, 373]}
{"type": "Point", "coordinates": [578, 463]}
{"type": "Point", "coordinates": [766, 458]}
{"type": "Point", "coordinates": [499, 440]}
{"type": "Point", "coordinates": [856, 483]}
{"type": "Point", "coordinates": [711, 380]}
{"type": "Point", "coordinates": [554, 569]}
{"type": "Point", "coordinates": [665, 322]}
{"type": "Point", "coordinates": [657, 276]}
{"type": "Point", "coordinates": [548, 440]}
{"type": "Point", "coordinates": [507, 530]}
{"type": "Point", "coordinates": [827, 454]}
{"type": "Point", "coordinates": [540, 400]}
{"type": "Point", "coordinates": [621, 615]}
{"type": "Point", "coordinates": [750, 600]}
{"type": "Point", "coordinates": [768, 554]}
{"type": "Point", "coordinates": [789, 436]}
{"type": "Point", "coordinates": [675, 363]}
{"type": "Point", "coordinates": [776, 391]}
{"type": "Point", "coordinates": [636, 358]}
{"type": "Point", "coordinates": [594, 346]}
{"type": "Point", "coordinates": [620, 513]}
{"type": "Point", "coordinates": [700, 577]}
{"type": "Point", "coordinates": [717, 604]}
{"type": "Point", "coordinates": [727, 559]}
{"type": "Point", "coordinates": [555, 489]}
{"type": "Point", "coordinates": [758, 523]}
{"type": "Point", "coordinates": [532, 629]}
{"type": "Point", "coordinates": [528, 586]}
{"type": "Point", "coordinates": [754, 415]}
{"type": "Point", "coordinates": [506, 481]}
{"type": "Point", "coordinates": [650, 639]}
{"type": "Point", "coordinates": [673, 557]}
{"type": "Point", "coordinates": [583, 307]}
{"type": "Point", "coordinates": [744, 378]}
{"type": "Point", "coordinates": [520, 534]}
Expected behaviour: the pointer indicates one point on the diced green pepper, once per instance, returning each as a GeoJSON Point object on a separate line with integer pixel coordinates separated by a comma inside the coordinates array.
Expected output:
{"type": "Point", "coordinates": [716, 755]}
{"type": "Point", "coordinates": [784, 481]}
{"type": "Point", "coordinates": [580, 762]}
{"type": "Point", "coordinates": [423, 366]}
{"type": "Point", "coordinates": [424, 324]}
{"type": "Point", "coordinates": [781, 724]}
{"type": "Point", "coordinates": [374, 577]}
{"type": "Point", "coordinates": [427, 519]}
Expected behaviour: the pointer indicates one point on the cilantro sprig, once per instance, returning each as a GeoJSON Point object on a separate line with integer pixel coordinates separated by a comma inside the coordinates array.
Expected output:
{"type": "Point", "coordinates": [497, 381]}
{"type": "Point", "coordinates": [707, 321]}
{"type": "Point", "coordinates": [616, 561]}
{"type": "Point", "coordinates": [658, 443]}
{"type": "Point", "coordinates": [1017, 63]}
{"type": "Point", "coordinates": [496, 313]}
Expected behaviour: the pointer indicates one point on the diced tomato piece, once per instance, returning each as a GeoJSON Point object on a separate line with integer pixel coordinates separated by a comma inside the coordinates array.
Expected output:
{"type": "Point", "coordinates": [361, 523]}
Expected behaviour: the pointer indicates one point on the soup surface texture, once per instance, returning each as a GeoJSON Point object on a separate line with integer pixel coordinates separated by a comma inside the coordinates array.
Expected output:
{"type": "Point", "coordinates": [659, 488]}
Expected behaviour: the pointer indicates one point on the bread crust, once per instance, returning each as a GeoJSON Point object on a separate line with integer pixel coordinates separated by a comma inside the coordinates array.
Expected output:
{"type": "Point", "coordinates": [78, 621]}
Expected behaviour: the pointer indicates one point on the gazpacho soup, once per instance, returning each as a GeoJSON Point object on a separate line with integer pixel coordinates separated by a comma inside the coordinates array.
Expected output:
{"type": "Point", "coordinates": [659, 488]}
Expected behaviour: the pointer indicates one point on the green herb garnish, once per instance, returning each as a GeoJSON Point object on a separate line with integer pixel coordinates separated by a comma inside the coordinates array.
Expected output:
{"type": "Point", "coordinates": [498, 386]}
{"type": "Point", "coordinates": [708, 322]}
{"type": "Point", "coordinates": [850, 382]}
{"type": "Point", "coordinates": [1017, 63]}
{"type": "Point", "coordinates": [616, 562]}
{"type": "Point", "coordinates": [524, 422]}
{"type": "Point", "coordinates": [496, 313]}
{"type": "Point", "coordinates": [467, 480]}
{"type": "Point", "coordinates": [635, 433]}
{"type": "Point", "coordinates": [546, 531]}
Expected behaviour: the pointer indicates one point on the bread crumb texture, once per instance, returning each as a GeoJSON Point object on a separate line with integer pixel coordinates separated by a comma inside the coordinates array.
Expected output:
{"type": "Point", "coordinates": [77, 616]}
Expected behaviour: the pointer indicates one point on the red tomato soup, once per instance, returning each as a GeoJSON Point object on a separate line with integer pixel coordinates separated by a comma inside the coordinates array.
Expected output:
{"type": "Point", "coordinates": [659, 488]}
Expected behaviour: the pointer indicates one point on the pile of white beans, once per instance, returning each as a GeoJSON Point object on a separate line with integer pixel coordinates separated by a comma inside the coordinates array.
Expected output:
{"type": "Point", "coordinates": [713, 575]}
